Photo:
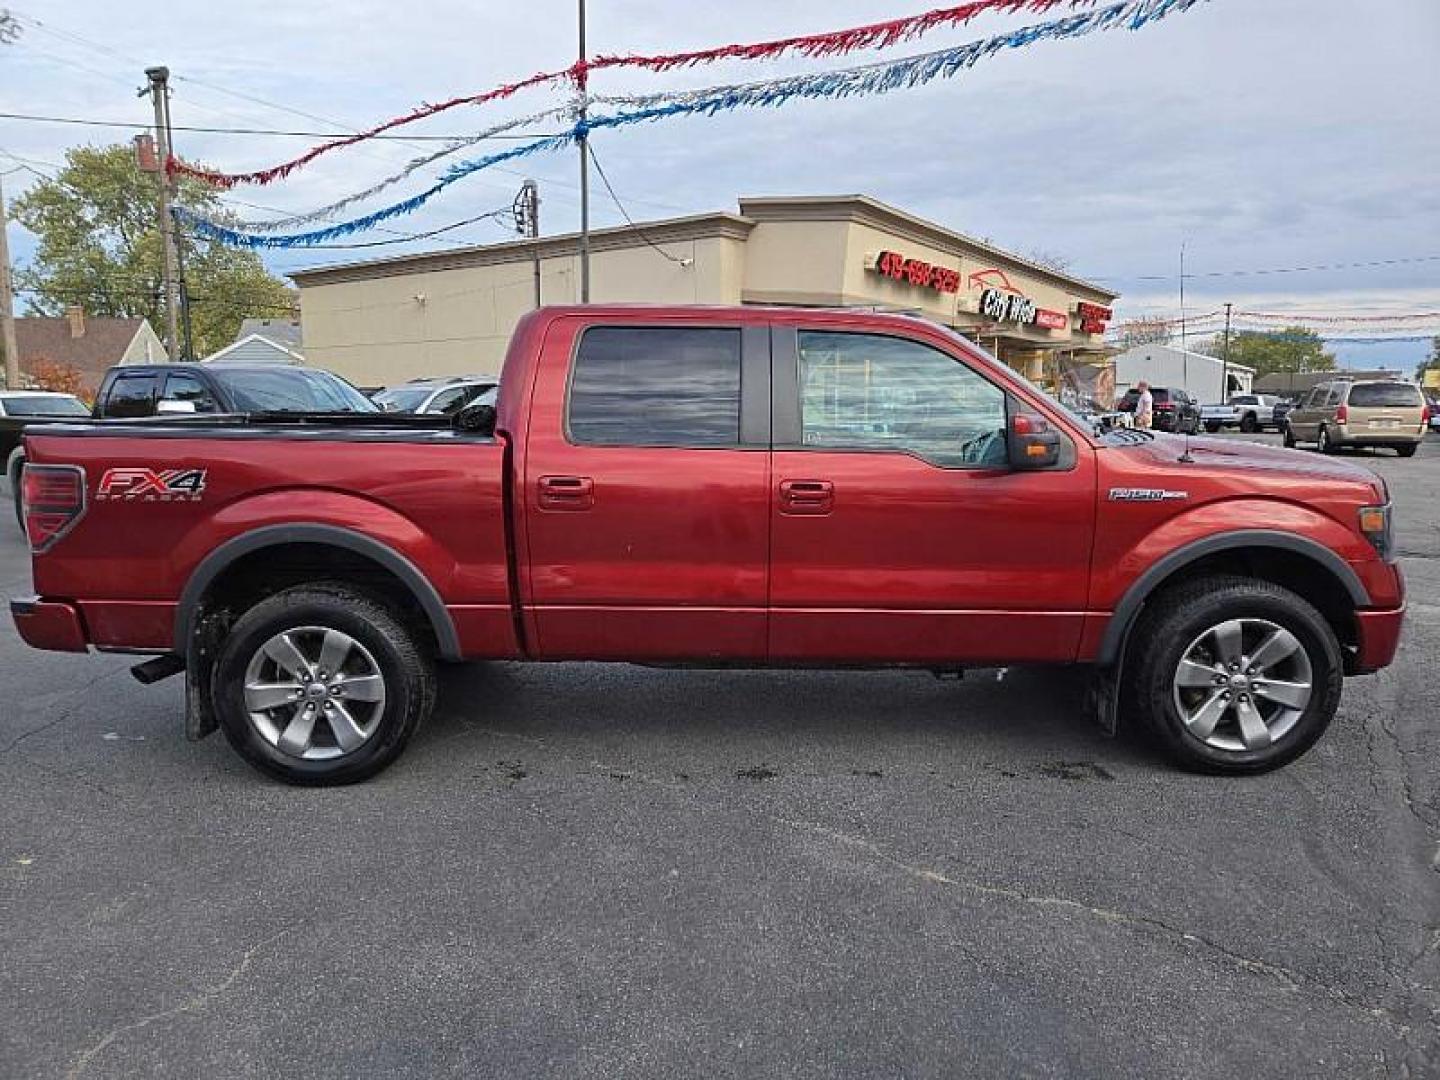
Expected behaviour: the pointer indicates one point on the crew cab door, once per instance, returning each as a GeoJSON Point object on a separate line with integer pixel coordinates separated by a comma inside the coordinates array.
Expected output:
{"type": "Point", "coordinates": [645, 494]}
{"type": "Point", "coordinates": [899, 531]}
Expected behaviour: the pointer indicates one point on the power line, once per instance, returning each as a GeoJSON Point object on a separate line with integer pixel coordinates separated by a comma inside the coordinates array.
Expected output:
{"type": "Point", "coordinates": [81, 121]}
{"type": "Point", "coordinates": [626, 214]}
{"type": "Point", "coordinates": [1278, 270]}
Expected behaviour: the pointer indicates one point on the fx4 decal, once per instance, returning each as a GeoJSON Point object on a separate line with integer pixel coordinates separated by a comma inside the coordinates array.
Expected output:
{"type": "Point", "coordinates": [149, 485]}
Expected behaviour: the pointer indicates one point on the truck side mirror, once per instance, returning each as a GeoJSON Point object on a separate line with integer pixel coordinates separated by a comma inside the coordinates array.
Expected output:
{"type": "Point", "coordinates": [1032, 443]}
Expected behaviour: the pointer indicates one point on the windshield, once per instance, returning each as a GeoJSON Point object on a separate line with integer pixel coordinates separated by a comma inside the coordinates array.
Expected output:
{"type": "Point", "coordinates": [402, 399]}
{"type": "Point", "coordinates": [292, 390]}
{"type": "Point", "coordinates": [53, 405]}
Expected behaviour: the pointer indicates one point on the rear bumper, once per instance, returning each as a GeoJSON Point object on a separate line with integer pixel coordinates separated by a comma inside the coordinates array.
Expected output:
{"type": "Point", "coordinates": [1378, 634]}
{"type": "Point", "coordinates": [49, 624]}
{"type": "Point", "coordinates": [1359, 436]}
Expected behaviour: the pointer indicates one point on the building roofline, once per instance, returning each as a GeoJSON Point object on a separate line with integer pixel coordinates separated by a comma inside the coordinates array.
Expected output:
{"type": "Point", "coordinates": [869, 211]}
{"type": "Point", "coordinates": [718, 224]}
{"type": "Point", "coordinates": [219, 353]}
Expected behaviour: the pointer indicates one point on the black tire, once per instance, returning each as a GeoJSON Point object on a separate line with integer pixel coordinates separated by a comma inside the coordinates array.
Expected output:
{"type": "Point", "coordinates": [1181, 616]}
{"type": "Point", "coordinates": [1287, 436]}
{"type": "Point", "coordinates": [397, 651]}
{"type": "Point", "coordinates": [1211, 427]}
{"type": "Point", "coordinates": [1249, 424]}
{"type": "Point", "coordinates": [1407, 451]}
{"type": "Point", "coordinates": [1323, 442]}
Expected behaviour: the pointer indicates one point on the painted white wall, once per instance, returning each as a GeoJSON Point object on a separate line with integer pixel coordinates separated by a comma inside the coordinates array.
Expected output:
{"type": "Point", "coordinates": [1165, 365]}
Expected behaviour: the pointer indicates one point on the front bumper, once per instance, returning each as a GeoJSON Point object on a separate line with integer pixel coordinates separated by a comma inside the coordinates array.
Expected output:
{"type": "Point", "coordinates": [49, 624]}
{"type": "Point", "coordinates": [1378, 639]}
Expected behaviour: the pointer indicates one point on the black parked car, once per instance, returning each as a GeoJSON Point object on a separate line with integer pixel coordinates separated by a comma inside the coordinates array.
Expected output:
{"type": "Point", "coordinates": [134, 391]}
{"type": "Point", "coordinates": [1175, 410]}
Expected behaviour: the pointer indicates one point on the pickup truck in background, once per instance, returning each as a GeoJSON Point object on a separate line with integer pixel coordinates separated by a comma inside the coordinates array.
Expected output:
{"type": "Point", "coordinates": [710, 486]}
{"type": "Point", "coordinates": [20, 408]}
{"type": "Point", "coordinates": [135, 391]}
{"type": "Point", "coordinates": [1248, 412]}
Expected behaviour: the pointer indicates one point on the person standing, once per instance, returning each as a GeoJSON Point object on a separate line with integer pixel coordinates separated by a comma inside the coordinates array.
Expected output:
{"type": "Point", "coordinates": [1144, 406]}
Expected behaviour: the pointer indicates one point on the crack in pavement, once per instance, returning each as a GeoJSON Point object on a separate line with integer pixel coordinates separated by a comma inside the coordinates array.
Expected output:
{"type": "Point", "coordinates": [1295, 981]}
{"type": "Point", "coordinates": [64, 715]}
{"type": "Point", "coordinates": [195, 1001]}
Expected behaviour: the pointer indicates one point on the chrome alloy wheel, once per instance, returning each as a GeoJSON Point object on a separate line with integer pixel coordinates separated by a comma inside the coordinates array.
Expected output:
{"type": "Point", "coordinates": [314, 693]}
{"type": "Point", "coordinates": [1243, 684]}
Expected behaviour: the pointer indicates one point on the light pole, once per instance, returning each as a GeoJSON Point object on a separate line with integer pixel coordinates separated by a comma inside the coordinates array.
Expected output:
{"type": "Point", "coordinates": [583, 82]}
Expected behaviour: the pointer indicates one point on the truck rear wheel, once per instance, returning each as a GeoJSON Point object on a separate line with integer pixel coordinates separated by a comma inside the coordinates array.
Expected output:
{"type": "Point", "coordinates": [321, 685]}
{"type": "Point", "coordinates": [1234, 675]}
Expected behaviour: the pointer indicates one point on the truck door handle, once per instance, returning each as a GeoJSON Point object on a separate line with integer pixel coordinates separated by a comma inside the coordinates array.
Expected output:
{"type": "Point", "coordinates": [566, 493]}
{"type": "Point", "coordinates": [807, 497]}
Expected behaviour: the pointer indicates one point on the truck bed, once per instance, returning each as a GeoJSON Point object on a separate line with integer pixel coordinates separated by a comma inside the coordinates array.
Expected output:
{"type": "Point", "coordinates": [413, 484]}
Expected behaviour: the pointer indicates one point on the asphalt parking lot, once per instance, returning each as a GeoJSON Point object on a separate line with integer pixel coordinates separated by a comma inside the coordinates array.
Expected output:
{"type": "Point", "coordinates": [595, 871]}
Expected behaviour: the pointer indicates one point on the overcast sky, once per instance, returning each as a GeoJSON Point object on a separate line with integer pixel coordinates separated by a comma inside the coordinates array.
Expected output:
{"type": "Point", "coordinates": [1260, 134]}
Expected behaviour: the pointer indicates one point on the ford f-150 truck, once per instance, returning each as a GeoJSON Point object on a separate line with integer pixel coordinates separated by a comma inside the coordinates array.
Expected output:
{"type": "Point", "coordinates": [710, 487]}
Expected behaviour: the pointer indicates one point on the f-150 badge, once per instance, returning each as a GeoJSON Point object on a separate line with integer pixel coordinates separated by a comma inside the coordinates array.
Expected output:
{"type": "Point", "coordinates": [1145, 495]}
{"type": "Point", "coordinates": [150, 485]}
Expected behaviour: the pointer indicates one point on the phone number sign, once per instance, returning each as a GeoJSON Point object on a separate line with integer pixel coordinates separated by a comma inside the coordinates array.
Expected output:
{"type": "Point", "coordinates": [926, 275]}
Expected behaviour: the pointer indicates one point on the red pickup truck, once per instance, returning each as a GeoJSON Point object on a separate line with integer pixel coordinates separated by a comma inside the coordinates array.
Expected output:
{"type": "Point", "coordinates": [703, 486]}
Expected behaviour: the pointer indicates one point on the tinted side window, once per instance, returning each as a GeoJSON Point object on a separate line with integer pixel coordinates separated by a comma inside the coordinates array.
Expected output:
{"type": "Point", "coordinates": [1336, 395]}
{"type": "Point", "coordinates": [132, 395]}
{"type": "Point", "coordinates": [1385, 396]}
{"type": "Point", "coordinates": [189, 388]}
{"type": "Point", "coordinates": [865, 391]}
{"type": "Point", "coordinates": [656, 386]}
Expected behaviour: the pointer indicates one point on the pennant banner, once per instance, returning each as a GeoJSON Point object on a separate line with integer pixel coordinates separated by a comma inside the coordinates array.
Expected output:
{"type": "Point", "coordinates": [832, 43]}
{"type": "Point", "coordinates": [870, 79]}
{"type": "Point", "coordinates": [324, 213]}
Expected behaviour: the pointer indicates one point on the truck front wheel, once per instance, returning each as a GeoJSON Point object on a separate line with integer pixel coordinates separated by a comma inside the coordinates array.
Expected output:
{"type": "Point", "coordinates": [1234, 674]}
{"type": "Point", "coordinates": [321, 684]}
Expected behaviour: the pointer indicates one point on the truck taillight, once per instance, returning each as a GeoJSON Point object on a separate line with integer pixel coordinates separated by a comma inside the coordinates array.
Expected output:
{"type": "Point", "coordinates": [52, 500]}
{"type": "Point", "coordinates": [1342, 414]}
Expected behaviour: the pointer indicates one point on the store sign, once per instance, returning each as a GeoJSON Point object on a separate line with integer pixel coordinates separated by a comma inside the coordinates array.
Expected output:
{"type": "Point", "coordinates": [1093, 317]}
{"type": "Point", "coordinates": [927, 275]}
{"type": "Point", "coordinates": [1007, 307]}
{"type": "Point", "coordinates": [1051, 320]}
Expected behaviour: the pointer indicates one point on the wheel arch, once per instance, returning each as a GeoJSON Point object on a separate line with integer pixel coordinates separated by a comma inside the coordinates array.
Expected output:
{"type": "Point", "coordinates": [1307, 567]}
{"type": "Point", "coordinates": [275, 539]}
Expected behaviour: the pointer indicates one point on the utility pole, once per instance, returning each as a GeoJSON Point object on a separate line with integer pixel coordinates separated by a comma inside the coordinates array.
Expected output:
{"type": "Point", "coordinates": [526, 209]}
{"type": "Point", "coordinates": [1182, 295]}
{"type": "Point", "coordinates": [7, 302]}
{"type": "Point", "coordinates": [1225, 359]}
{"type": "Point", "coordinates": [160, 97]}
{"type": "Point", "coordinates": [584, 141]}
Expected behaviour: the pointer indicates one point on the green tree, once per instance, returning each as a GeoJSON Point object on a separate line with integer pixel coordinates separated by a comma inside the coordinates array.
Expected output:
{"type": "Point", "coordinates": [1432, 362]}
{"type": "Point", "coordinates": [100, 247]}
{"type": "Point", "coordinates": [1293, 349]}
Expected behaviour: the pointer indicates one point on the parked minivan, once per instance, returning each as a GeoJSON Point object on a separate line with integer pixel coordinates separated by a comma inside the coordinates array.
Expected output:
{"type": "Point", "coordinates": [1345, 412]}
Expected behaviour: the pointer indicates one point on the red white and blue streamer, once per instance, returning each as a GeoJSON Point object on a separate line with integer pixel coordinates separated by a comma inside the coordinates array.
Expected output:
{"type": "Point", "coordinates": [867, 80]}
{"type": "Point", "coordinates": [831, 43]}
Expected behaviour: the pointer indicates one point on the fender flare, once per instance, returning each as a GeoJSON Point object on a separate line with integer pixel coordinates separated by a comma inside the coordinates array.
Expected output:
{"type": "Point", "coordinates": [248, 543]}
{"type": "Point", "coordinates": [1128, 610]}
{"type": "Point", "coordinates": [18, 454]}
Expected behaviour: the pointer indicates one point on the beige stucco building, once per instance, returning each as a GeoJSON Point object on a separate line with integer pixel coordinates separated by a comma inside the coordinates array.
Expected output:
{"type": "Point", "coordinates": [451, 312]}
